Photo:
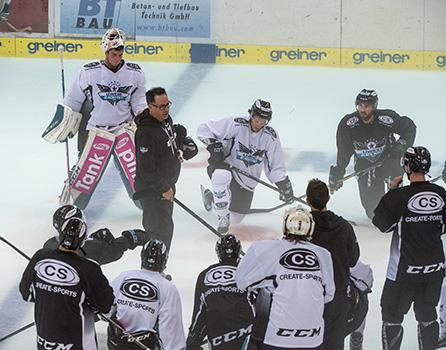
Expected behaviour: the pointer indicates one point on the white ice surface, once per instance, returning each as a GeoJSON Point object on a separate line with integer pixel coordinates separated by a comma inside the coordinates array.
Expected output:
{"type": "Point", "coordinates": [307, 105]}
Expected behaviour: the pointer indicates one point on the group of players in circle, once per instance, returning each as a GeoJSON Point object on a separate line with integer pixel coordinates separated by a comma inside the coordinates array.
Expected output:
{"type": "Point", "coordinates": [305, 291]}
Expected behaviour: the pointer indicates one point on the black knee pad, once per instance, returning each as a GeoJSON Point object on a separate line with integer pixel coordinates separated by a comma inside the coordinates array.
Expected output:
{"type": "Point", "coordinates": [392, 336]}
{"type": "Point", "coordinates": [428, 335]}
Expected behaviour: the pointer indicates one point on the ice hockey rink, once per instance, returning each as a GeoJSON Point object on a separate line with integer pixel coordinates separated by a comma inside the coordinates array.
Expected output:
{"type": "Point", "coordinates": [307, 106]}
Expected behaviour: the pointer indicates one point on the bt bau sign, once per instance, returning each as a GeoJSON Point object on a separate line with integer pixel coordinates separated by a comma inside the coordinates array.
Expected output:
{"type": "Point", "coordinates": [176, 18]}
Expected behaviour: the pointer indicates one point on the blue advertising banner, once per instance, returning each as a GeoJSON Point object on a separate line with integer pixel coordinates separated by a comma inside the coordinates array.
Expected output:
{"type": "Point", "coordinates": [178, 18]}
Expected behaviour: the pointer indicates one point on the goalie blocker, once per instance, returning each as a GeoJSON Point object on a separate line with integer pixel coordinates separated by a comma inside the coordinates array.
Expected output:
{"type": "Point", "coordinates": [65, 124]}
{"type": "Point", "coordinates": [87, 173]}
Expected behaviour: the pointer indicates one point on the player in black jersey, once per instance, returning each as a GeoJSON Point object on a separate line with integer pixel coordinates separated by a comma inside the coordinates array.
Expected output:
{"type": "Point", "coordinates": [222, 313]}
{"type": "Point", "coordinates": [101, 245]}
{"type": "Point", "coordinates": [416, 214]}
{"type": "Point", "coordinates": [368, 134]}
{"type": "Point", "coordinates": [65, 289]}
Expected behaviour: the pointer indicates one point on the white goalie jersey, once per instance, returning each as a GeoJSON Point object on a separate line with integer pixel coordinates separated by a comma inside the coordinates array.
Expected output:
{"type": "Point", "coordinates": [247, 150]}
{"type": "Point", "coordinates": [114, 94]}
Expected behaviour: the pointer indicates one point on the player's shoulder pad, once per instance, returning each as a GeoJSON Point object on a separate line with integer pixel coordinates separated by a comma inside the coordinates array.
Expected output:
{"type": "Point", "coordinates": [270, 130]}
{"type": "Point", "coordinates": [132, 65]}
{"type": "Point", "coordinates": [386, 117]}
{"type": "Point", "coordinates": [92, 65]}
{"type": "Point", "coordinates": [240, 120]}
{"type": "Point", "coordinates": [350, 120]}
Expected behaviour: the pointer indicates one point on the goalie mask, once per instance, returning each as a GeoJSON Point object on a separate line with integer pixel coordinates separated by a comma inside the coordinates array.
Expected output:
{"type": "Point", "coordinates": [66, 212]}
{"type": "Point", "coordinates": [154, 255]}
{"type": "Point", "coordinates": [298, 221]}
{"type": "Point", "coordinates": [113, 38]}
{"type": "Point", "coordinates": [72, 233]}
{"type": "Point", "coordinates": [228, 249]}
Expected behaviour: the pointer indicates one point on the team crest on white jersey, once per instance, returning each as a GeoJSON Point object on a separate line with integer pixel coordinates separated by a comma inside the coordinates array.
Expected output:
{"type": "Point", "coordinates": [371, 149]}
{"type": "Point", "coordinates": [113, 92]}
{"type": "Point", "coordinates": [249, 155]}
{"type": "Point", "coordinates": [220, 276]}
{"type": "Point", "coordinates": [425, 203]}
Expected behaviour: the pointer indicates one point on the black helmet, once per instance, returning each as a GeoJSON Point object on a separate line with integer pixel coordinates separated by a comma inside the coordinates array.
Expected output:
{"type": "Point", "coordinates": [418, 158]}
{"type": "Point", "coordinates": [154, 255]}
{"type": "Point", "coordinates": [367, 96]}
{"type": "Point", "coordinates": [262, 109]}
{"type": "Point", "coordinates": [66, 212]}
{"type": "Point", "coordinates": [228, 249]}
{"type": "Point", "coordinates": [72, 233]}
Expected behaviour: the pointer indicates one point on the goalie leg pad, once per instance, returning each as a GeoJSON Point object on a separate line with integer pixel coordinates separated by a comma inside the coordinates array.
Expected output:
{"type": "Point", "coordinates": [125, 159]}
{"type": "Point", "coordinates": [89, 169]}
{"type": "Point", "coordinates": [65, 124]}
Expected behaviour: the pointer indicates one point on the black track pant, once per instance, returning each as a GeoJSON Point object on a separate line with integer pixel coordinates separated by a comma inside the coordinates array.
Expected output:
{"type": "Point", "coordinates": [157, 219]}
{"type": "Point", "coordinates": [335, 318]}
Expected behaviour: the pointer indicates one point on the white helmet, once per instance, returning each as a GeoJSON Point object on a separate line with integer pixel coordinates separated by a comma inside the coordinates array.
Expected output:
{"type": "Point", "coordinates": [298, 221]}
{"type": "Point", "coordinates": [112, 39]}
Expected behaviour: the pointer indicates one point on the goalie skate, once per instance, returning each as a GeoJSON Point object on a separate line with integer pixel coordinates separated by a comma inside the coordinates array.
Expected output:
{"type": "Point", "coordinates": [65, 197]}
{"type": "Point", "coordinates": [208, 198]}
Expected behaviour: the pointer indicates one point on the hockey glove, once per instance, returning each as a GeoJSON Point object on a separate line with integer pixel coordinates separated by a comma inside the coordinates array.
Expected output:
{"type": "Point", "coordinates": [181, 134]}
{"type": "Point", "coordinates": [103, 234]}
{"type": "Point", "coordinates": [398, 148]}
{"type": "Point", "coordinates": [189, 148]}
{"type": "Point", "coordinates": [335, 178]}
{"type": "Point", "coordinates": [217, 155]}
{"type": "Point", "coordinates": [135, 237]}
{"type": "Point", "coordinates": [444, 172]}
{"type": "Point", "coordinates": [286, 190]}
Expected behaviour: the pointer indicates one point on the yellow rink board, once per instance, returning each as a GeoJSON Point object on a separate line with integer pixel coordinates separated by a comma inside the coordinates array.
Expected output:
{"type": "Point", "coordinates": [89, 49]}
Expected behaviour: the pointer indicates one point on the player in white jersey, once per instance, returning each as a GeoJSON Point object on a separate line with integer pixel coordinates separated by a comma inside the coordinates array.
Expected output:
{"type": "Point", "coordinates": [116, 89]}
{"type": "Point", "coordinates": [295, 280]}
{"type": "Point", "coordinates": [147, 305]}
{"type": "Point", "coordinates": [247, 143]}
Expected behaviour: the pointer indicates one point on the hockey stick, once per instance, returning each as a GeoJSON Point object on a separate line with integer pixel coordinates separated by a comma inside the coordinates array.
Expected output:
{"type": "Point", "coordinates": [17, 331]}
{"type": "Point", "coordinates": [205, 223]}
{"type": "Point", "coordinates": [266, 210]}
{"type": "Point", "coordinates": [436, 178]}
{"type": "Point", "coordinates": [360, 172]}
{"type": "Point", "coordinates": [67, 149]}
{"type": "Point", "coordinates": [131, 339]}
{"type": "Point", "coordinates": [14, 247]}
{"type": "Point", "coordinates": [28, 258]}
{"type": "Point", "coordinates": [260, 181]}
{"type": "Point", "coordinates": [269, 210]}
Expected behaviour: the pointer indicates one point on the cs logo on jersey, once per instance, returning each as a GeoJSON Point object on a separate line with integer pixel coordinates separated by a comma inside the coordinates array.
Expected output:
{"type": "Point", "coordinates": [56, 272]}
{"type": "Point", "coordinates": [425, 203]}
{"type": "Point", "coordinates": [385, 119]}
{"type": "Point", "coordinates": [138, 289]}
{"type": "Point", "coordinates": [220, 276]}
{"type": "Point", "coordinates": [299, 259]}
{"type": "Point", "coordinates": [352, 121]}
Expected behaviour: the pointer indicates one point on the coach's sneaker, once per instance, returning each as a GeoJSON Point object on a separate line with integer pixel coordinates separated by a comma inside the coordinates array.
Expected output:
{"type": "Point", "coordinates": [441, 343]}
{"type": "Point", "coordinates": [223, 224]}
